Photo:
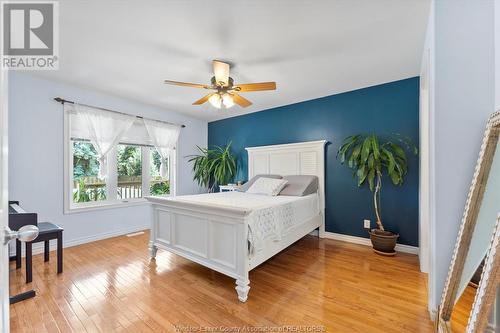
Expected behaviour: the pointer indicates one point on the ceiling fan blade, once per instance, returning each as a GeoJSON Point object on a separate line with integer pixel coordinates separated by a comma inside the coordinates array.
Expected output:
{"type": "Point", "coordinates": [187, 84]}
{"type": "Point", "coordinates": [255, 86]}
{"type": "Point", "coordinates": [241, 101]}
{"type": "Point", "coordinates": [203, 99]}
{"type": "Point", "coordinates": [221, 71]}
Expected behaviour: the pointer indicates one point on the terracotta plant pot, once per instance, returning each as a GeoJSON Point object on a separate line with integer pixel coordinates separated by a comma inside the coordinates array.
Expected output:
{"type": "Point", "coordinates": [383, 242]}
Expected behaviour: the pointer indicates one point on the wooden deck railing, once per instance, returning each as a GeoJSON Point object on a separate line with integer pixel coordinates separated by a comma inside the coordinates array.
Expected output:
{"type": "Point", "coordinates": [128, 187]}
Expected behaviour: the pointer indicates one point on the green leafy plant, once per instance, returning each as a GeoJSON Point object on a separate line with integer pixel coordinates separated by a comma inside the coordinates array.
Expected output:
{"type": "Point", "coordinates": [213, 167]}
{"type": "Point", "coordinates": [129, 160]}
{"type": "Point", "coordinates": [85, 160]}
{"type": "Point", "coordinates": [84, 194]}
{"type": "Point", "coordinates": [370, 157]}
{"type": "Point", "coordinates": [159, 188]}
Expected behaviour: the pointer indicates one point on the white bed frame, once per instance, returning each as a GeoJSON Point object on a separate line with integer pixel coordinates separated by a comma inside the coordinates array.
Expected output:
{"type": "Point", "coordinates": [216, 237]}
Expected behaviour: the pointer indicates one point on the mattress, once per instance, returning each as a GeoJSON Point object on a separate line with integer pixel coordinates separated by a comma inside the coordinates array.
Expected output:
{"type": "Point", "coordinates": [269, 217]}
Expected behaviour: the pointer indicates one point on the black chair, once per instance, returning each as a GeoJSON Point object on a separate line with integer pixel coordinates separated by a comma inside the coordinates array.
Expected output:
{"type": "Point", "coordinates": [47, 232]}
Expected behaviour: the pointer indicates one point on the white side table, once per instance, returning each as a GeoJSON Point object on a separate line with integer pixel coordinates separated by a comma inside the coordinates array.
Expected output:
{"type": "Point", "coordinates": [228, 188]}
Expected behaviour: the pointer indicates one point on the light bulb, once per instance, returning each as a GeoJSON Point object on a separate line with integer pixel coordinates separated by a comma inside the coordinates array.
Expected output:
{"type": "Point", "coordinates": [228, 101]}
{"type": "Point", "coordinates": [215, 100]}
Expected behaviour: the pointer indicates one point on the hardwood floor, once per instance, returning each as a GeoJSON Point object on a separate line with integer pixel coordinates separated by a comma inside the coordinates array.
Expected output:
{"type": "Point", "coordinates": [111, 285]}
{"type": "Point", "coordinates": [461, 310]}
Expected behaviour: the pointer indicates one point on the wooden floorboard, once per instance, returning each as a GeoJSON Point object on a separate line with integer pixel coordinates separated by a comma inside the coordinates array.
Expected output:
{"type": "Point", "coordinates": [112, 286]}
{"type": "Point", "coordinates": [461, 311]}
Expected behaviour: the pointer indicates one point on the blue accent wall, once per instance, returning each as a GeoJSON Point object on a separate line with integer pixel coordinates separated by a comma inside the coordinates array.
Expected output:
{"type": "Point", "coordinates": [382, 109]}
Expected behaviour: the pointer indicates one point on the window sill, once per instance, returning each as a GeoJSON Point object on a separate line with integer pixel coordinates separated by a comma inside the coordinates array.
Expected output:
{"type": "Point", "coordinates": [105, 205]}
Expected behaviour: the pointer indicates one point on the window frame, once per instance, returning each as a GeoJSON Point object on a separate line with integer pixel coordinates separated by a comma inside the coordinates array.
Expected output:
{"type": "Point", "coordinates": [112, 180]}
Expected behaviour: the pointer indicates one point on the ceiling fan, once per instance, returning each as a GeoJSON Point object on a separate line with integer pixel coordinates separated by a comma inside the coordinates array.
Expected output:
{"type": "Point", "coordinates": [225, 91]}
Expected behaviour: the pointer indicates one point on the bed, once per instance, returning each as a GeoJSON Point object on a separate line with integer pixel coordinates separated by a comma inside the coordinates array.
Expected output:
{"type": "Point", "coordinates": [229, 231]}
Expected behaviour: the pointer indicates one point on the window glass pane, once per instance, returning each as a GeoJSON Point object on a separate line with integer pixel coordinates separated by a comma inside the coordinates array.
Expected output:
{"type": "Point", "coordinates": [157, 184]}
{"type": "Point", "coordinates": [129, 164]}
{"type": "Point", "coordinates": [86, 186]}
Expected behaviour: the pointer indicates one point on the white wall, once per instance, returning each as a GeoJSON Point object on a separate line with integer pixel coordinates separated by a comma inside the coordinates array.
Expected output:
{"type": "Point", "coordinates": [463, 97]}
{"type": "Point", "coordinates": [497, 54]}
{"type": "Point", "coordinates": [36, 155]}
{"type": "Point", "coordinates": [425, 149]}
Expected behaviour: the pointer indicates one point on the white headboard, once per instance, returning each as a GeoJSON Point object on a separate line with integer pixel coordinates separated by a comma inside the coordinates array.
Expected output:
{"type": "Point", "coordinates": [302, 158]}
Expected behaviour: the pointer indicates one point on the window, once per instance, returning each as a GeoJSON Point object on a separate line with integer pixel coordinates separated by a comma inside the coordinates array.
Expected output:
{"type": "Point", "coordinates": [129, 171]}
{"type": "Point", "coordinates": [157, 184]}
{"type": "Point", "coordinates": [133, 169]}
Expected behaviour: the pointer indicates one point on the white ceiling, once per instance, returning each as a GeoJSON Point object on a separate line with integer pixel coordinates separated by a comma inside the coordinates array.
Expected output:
{"type": "Point", "coordinates": [310, 48]}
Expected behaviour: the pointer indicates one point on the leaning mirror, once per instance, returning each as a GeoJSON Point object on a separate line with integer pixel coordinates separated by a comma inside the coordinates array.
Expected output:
{"type": "Point", "coordinates": [487, 290]}
{"type": "Point", "coordinates": [474, 239]}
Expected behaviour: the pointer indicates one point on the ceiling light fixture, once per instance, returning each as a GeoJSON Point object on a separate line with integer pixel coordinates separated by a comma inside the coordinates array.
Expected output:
{"type": "Point", "coordinates": [224, 90]}
{"type": "Point", "coordinates": [215, 100]}
{"type": "Point", "coordinates": [228, 101]}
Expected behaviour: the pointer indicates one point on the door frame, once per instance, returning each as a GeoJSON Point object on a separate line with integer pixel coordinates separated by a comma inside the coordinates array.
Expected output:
{"type": "Point", "coordinates": [425, 166]}
{"type": "Point", "coordinates": [4, 216]}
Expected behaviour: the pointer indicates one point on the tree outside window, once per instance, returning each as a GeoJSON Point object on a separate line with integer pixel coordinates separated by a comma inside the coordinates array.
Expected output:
{"type": "Point", "coordinates": [157, 185]}
{"type": "Point", "coordinates": [86, 185]}
{"type": "Point", "coordinates": [129, 164]}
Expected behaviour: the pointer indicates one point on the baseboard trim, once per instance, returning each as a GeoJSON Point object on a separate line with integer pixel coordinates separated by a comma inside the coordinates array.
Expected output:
{"type": "Point", "coordinates": [366, 241]}
{"type": "Point", "coordinates": [38, 247]}
{"type": "Point", "coordinates": [432, 314]}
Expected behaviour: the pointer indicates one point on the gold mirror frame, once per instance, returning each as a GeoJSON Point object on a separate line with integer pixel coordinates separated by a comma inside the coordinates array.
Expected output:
{"type": "Point", "coordinates": [487, 289]}
{"type": "Point", "coordinates": [469, 219]}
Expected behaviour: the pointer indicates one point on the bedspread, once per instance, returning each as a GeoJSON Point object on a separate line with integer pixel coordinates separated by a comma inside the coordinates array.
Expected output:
{"type": "Point", "coordinates": [270, 217]}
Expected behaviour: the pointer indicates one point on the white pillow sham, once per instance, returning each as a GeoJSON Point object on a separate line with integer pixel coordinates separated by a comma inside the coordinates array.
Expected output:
{"type": "Point", "coordinates": [267, 186]}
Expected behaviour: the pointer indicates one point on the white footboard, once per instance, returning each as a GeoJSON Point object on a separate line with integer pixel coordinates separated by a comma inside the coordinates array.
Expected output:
{"type": "Point", "coordinates": [213, 237]}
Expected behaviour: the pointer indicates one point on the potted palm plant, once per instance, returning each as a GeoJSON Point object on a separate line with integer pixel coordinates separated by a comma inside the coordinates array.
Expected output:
{"type": "Point", "coordinates": [370, 158]}
{"type": "Point", "coordinates": [213, 166]}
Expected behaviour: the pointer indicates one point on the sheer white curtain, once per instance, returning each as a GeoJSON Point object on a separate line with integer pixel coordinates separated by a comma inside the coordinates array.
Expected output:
{"type": "Point", "coordinates": [105, 130]}
{"type": "Point", "coordinates": [164, 137]}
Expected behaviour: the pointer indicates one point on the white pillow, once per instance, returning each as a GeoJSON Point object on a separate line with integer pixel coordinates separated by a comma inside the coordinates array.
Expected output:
{"type": "Point", "coordinates": [267, 186]}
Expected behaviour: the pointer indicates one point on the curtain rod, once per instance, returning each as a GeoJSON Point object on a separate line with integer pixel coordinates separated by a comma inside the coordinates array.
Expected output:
{"type": "Point", "coordinates": [62, 101]}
